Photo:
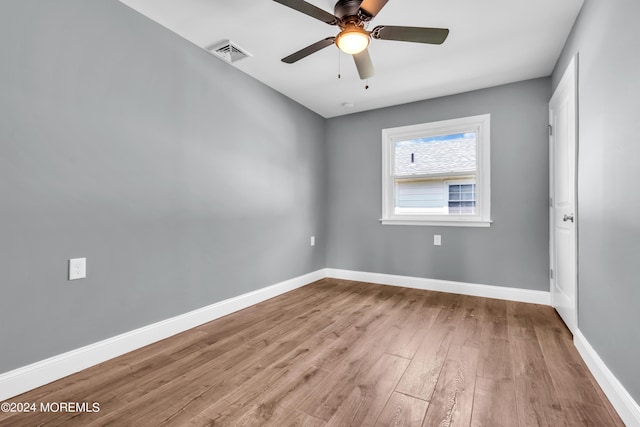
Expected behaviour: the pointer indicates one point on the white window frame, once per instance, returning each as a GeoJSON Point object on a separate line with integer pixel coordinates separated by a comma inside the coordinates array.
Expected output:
{"type": "Point", "coordinates": [481, 126]}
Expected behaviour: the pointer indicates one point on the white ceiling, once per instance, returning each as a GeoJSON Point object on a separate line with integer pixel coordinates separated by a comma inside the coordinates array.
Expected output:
{"type": "Point", "coordinates": [492, 42]}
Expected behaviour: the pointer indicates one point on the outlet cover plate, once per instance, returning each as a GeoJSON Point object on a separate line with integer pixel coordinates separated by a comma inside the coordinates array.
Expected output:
{"type": "Point", "coordinates": [77, 268]}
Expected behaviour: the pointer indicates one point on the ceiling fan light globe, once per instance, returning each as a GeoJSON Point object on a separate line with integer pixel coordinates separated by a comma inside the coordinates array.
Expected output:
{"type": "Point", "coordinates": [352, 42]}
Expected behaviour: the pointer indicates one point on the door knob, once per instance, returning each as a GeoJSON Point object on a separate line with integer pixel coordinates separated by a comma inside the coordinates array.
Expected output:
{"type": "Point", "coordinates": [566, 218]}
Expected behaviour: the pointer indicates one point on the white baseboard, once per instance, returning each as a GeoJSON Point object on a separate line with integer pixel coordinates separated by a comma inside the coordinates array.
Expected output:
{"type": "Point", "coordinates": [26, 378]}
{"type": "Point", "coordinates": [619, 397]}
{"type": "Point", "coordinates": [23, 379]}
{"type": "Point", "coordinates": [487, 291]}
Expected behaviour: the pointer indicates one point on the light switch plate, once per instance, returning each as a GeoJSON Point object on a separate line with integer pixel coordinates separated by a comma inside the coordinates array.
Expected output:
{"type": "Point", "coordinates": [77, 268]}
{"type": "Point", "coordinates": [312, 241]}
{"type": "Point", "coordinates": [437, 240]}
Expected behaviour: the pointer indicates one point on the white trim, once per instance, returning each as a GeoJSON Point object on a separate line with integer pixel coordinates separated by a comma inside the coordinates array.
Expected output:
{"type": "Point", "coordinates": [481, 124]}
{"type": "Point", "coordinates": [473, 289]}
{"type": "Point", "coordinates": [26, 378]}
{"type": "Point", "coordinates": [620, 398]}
{"type": "Point", "coordinates": [448, 223]}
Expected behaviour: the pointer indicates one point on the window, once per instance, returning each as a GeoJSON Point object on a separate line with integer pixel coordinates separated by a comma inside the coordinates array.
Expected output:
{"type": "Point", "coordinates": [437, 173]}
{"type": "Point", "coordinates": [462, 199]}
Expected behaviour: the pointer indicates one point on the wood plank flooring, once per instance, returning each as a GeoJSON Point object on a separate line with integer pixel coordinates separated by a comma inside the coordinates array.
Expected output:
{"type": "Point", "coordinates": [341, 353]}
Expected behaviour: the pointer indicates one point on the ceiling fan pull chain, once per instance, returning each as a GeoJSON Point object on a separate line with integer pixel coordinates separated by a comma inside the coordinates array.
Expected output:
{"type": "Point", "coordinates": [339, 63]}
{"type": "Point", "coordinates": [366, 86]}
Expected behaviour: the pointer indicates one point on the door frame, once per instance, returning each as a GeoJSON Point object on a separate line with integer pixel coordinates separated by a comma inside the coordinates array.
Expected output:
{"type": "Point", "coordinates": [569, 81]}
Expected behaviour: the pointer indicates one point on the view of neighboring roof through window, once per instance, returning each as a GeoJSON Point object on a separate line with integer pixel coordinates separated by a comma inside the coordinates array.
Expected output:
{"type": "Point", "coordinates": [427, 170]}
{"type": "Point", "coordinates": [445, 154]}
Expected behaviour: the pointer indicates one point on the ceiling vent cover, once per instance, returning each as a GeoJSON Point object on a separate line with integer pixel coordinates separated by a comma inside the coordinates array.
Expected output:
{"type": "Point", "coordinates": [228, 51]}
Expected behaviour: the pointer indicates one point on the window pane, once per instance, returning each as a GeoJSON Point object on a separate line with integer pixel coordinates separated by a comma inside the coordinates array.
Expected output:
{"type": "Point", "coordinates": [462, 208]}
{"type": "Point", "coordinates": [420, 194]}
{"type": "Point", "coordinates": [454, 154]}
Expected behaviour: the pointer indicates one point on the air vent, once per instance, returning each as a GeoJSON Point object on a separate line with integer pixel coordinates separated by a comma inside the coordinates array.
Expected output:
{"type": "Point", "coordinates": [228, 51]}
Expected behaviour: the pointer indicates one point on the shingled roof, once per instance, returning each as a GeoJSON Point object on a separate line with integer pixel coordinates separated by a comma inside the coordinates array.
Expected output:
{"type": "Point", "coordinates": [435, 156]}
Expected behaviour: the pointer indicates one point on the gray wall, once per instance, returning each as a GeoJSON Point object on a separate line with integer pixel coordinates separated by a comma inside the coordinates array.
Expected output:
{"type": "Point", "coordinates": [182, 180]}
{"type": "Point", "coordinates": [607, 37]}
{"type": "Point", "coordinates": [513, 252]}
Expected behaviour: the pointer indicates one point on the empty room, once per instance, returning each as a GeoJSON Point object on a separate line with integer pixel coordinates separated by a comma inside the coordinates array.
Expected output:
{"type": "Point", "coordinates": [319, 213]}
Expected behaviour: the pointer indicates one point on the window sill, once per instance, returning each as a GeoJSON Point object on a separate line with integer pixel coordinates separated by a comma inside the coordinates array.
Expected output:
{"type": "Point", "coordinates": [438, 223]}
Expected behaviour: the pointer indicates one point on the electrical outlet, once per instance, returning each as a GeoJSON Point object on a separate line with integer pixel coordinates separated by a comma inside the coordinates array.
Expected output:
{"type": "Point", "coordinates": [77, 268]}
{"type": "Point", "coordinates": [437, 240]}
{"type": "Point", "coordinates": [313, 240]}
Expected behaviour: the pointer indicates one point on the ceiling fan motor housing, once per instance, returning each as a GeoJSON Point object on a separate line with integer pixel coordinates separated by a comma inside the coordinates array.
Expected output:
{"type": "Point", "coordinates": [346, 8]}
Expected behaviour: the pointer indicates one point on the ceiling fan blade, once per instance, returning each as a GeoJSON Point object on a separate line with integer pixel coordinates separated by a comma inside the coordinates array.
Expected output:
{"type": "Point", "coordinates": [372, 7]}
{"type": "Point", "coordinates": [303, 53]}
{"type": "Point", "coordinates": [311, 10]}
{"type": "Point", "coordinates": [410, 34]}
{"type": "Point", "coordinates": [364, 64]}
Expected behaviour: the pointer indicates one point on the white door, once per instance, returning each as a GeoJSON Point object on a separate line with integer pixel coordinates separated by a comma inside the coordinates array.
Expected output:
{"type": "Point", "coordinates": [563, 219]}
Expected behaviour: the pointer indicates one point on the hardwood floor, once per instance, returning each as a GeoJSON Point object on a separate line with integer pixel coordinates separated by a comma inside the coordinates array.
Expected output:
{"type": "Point", "coordinates": [337, 353]}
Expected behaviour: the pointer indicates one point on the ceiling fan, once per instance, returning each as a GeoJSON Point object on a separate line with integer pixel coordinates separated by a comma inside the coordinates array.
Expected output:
{"type": "Point", "coordinates": [352, 16]}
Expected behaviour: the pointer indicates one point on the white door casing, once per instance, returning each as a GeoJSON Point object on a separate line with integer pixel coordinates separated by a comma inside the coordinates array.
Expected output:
{"type": "Point", "coordinates": [562, 183]}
